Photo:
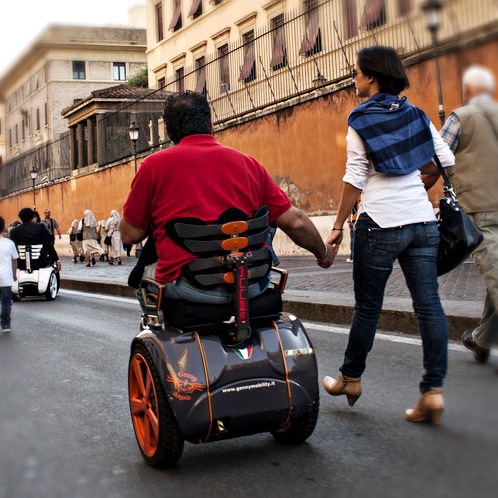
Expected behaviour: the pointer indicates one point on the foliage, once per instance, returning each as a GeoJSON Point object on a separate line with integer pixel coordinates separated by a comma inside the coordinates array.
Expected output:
{"type": "Point", "coordinates": [140, 78]}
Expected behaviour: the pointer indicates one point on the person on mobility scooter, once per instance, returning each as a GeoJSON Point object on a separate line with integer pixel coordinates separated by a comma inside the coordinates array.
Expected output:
{"type": "Point", "coordinates": [38, 265]}
{"type": "Point", "coordinates": [219, 359]}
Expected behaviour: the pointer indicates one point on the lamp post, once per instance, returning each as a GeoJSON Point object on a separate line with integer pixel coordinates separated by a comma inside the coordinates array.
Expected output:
{"type": "Point", "coordinates": [432, 11]}
{"type": "Point", "coordinates": [34, 174]}
{"type": "Point", "coordinates": [133, 131]}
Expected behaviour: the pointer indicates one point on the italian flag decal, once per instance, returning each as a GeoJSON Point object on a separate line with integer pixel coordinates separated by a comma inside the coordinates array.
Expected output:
{"type": "Point", "coordinates": [244, 354]}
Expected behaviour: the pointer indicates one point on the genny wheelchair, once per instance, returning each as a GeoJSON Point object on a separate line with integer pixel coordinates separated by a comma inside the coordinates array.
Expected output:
{"type": "Point", "coordinates": [34, 278]}
{"type": "Point", "coordinates": [202, 372]}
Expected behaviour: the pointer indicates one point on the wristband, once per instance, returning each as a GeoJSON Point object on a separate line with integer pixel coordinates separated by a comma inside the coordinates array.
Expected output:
{"type": "Point", "coordinates": [337, 229]}
{"type": "Point", "coordinates": [326, 253]}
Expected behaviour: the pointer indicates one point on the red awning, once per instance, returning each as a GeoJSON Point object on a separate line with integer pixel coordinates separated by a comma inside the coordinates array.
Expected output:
{"type": "Point", "coordinates": [277, 57]}
{"type": "Point", "coordinates": [201, 81]}
{"type": "Point", "coordinates": [176, 16]}
{"type": "Point", "coordinates": [249, 60]}
{"type": "Point", "coordinates": [311, 33]}
{"type": "Point", "coordinates": [371, 12]}
{"type": "Point", "coordinates": [193, 9]}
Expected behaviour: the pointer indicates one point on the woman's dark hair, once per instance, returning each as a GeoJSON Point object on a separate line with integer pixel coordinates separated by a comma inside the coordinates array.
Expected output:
{"type": "Point", "coordinates": [385, 65]}
{"type": "Point", "coordinates": [2, 225]}
{"type": "Point", "coordinates": [186, 114]}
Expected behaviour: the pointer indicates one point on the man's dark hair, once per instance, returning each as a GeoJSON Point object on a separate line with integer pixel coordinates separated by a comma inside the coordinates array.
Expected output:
{"type": "Point", "coordinates": [26, 214]}
{"type": "Point", "coordinates": [385, 65]}
{"type": "Point", "coordinates": [186, 114]}
{"type": "Point", "coordinates": [2, 225]}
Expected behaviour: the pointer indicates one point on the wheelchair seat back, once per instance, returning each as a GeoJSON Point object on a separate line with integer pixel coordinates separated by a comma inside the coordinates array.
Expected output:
{"type": "Point", "coordinates": [29, 257]}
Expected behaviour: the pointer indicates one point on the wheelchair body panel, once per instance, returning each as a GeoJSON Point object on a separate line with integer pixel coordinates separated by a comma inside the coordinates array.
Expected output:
{"type": "Point", "coordinates": [219, 392]}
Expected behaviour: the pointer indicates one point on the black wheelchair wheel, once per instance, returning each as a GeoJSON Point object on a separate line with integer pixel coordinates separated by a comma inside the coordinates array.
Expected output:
{"type": "Point", "coordinates": [299, 429]}
{"type": "Point", "coordinates": [157, 432]}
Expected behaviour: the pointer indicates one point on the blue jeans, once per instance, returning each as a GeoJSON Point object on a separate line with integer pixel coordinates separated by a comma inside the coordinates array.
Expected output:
{"type": "Point", "coordinates": [6, 299]}
{"type": "Point", "coordinates": [375, 250]}
{"type": "Point", "coordinates": [183, 289]}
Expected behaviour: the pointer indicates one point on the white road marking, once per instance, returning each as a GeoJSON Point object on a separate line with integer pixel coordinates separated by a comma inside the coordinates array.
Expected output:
{"type": "Point", "coordinates": [100, 297]}
{"type": "Point", "coordinates": [337, 329]}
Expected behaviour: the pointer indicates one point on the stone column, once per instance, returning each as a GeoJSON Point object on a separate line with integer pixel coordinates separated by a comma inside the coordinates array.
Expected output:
{"type": "Point", "coordinates": [73, 157]}
{"type": "Point", "coordinates": [155, 131]}
{"type": "Point", "coordinates": [80, 132]}
{"type": "Point", "coordinates": [90, 146]}
{"type": "Point", "coordinates": [101, 145]}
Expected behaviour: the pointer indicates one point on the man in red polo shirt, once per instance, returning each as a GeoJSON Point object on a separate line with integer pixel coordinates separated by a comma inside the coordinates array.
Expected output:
{"type": "Point", "coordinates": [198, 177]}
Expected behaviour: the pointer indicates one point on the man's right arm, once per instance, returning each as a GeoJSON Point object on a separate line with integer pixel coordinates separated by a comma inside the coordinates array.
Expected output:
{"type": "Point", "coordinates": [130, 234]}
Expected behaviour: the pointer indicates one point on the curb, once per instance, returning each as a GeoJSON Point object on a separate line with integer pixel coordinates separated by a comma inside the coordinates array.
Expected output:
{"type": "Point", "coordinates": [404, 322]}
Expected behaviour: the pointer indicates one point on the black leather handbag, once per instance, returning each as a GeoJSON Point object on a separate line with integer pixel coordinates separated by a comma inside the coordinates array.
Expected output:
{"type": "Point", "coordinates": [458, 234]}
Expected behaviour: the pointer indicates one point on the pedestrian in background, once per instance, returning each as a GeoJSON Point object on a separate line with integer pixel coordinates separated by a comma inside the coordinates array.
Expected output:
{"type": "Point", "coordinates": [116, 248]}
{"type": "Point", "coordinates": [102, 233]}
{"type": "Point", "coordinates": [8, 268]}
{"type": "Point", "coordinates": [51, 225]}
{"type": "Point", "coordinates": [14, 224]}
{"type": "Point", "coordinates": [472, 134]}
{"type": "Point", "coordinates": [91, 246]}
{"type": "Point", "coordinates": [75, 244]}
{"type": "Point", "coordinates": [396, 221]}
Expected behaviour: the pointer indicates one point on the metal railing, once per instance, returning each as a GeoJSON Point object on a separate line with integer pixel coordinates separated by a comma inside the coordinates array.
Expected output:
{"type": "Point", "coordinates": [234, 97]}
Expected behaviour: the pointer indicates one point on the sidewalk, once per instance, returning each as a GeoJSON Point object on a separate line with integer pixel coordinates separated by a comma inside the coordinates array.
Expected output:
{"type": "Point", "coordinates": [313, 293]}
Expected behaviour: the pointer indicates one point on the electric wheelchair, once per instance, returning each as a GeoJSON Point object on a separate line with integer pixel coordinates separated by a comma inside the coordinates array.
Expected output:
{"type": "Point", "coordinates": [34, 277]}
{"type": "Point", "coordinates": [202, 372]}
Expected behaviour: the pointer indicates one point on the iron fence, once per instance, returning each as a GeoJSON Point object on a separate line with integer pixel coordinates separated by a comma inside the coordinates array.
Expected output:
{"type": "Point", "coordinates": [294, 57]}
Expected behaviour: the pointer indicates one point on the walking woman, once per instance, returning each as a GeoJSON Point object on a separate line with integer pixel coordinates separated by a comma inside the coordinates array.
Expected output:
{"type": "Point", "coordinates": [390, 144]}
{"type": "Point", "coordinates": [116, 248]}
{"type": "Point", "coordinates": [102, 234]}
{"type": "Point", "coordinates": [75, 243]}
{"type": "Point", "coordinates": [91, 247]}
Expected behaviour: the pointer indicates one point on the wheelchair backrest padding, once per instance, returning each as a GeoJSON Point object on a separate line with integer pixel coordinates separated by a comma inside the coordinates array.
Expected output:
{"type": "Point", "coordinates": [213, 242]}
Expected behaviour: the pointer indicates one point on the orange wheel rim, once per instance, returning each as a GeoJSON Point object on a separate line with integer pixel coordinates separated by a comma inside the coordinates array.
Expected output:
{"type": "Point", "coordinates": [143, 405]}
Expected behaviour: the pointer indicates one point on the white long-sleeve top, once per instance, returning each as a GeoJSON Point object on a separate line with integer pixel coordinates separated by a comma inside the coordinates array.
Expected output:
{"type": "Point", "coordinates": [391, 200]}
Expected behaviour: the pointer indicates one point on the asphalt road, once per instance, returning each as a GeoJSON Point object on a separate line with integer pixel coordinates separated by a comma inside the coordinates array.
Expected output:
{"type": "Point", "coordinates": [65, 428]}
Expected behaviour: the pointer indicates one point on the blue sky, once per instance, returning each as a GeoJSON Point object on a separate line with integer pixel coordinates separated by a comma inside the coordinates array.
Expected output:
{"type": "Point", "coordinates": [24, 20]}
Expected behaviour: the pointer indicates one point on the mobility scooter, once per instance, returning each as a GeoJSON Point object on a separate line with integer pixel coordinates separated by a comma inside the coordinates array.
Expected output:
{"type": "Point", "coordinates": [202, 372]}
{"type": "Point", "coordinates": [34, 279]}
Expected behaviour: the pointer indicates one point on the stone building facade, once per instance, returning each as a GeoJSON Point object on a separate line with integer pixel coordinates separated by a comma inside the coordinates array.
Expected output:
{"type": "Point", "coordinates": [63, 65]}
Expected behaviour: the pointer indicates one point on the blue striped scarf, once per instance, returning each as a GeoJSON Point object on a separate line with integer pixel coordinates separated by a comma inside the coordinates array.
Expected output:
{"type": "Point", "coordinates": [397, 135]}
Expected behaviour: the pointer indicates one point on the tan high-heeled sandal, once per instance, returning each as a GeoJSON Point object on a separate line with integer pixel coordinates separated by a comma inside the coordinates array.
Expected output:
{"type": "Point", "coordinates": [429, 408]}
{"type": "Point", "coordinates": [349, 386]}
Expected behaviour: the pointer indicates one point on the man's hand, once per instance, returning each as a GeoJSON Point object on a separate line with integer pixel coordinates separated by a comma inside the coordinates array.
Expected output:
{"type": "Point", "coordinates": [328, 258]}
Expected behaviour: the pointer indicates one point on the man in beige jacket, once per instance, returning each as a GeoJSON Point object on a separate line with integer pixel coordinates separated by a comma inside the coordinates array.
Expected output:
{"type": "Point", "coordinates": [471, 132]}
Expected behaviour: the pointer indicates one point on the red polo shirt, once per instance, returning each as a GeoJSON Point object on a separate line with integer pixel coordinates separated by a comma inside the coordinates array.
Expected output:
{"type": "Point", "coordinates": [197, 178]}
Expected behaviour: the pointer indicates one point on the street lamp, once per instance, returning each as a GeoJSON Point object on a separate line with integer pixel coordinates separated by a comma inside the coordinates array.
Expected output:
{"type": "Point", "coordinates": [432, 11]}
{"type": "Point", "coordinates": [34, 174]}
{"type": "Point", "coordinates": [133, 131]}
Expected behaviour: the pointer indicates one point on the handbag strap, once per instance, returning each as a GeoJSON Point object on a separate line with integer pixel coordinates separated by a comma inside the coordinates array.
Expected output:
{"type": "Point", "coordinates": [447, 187]}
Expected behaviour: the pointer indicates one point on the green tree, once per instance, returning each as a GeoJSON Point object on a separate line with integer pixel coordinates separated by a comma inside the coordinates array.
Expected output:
{"type": "Point", "coordinates": [140, 78]}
